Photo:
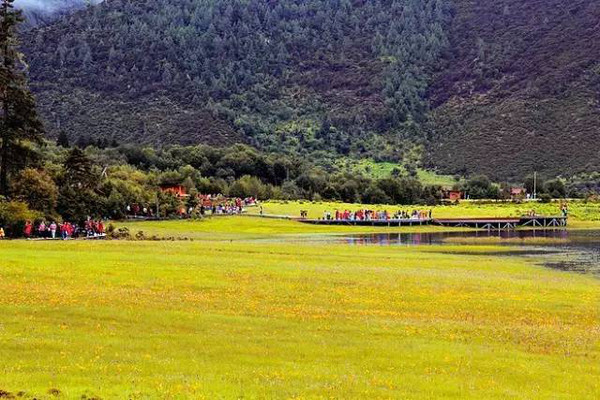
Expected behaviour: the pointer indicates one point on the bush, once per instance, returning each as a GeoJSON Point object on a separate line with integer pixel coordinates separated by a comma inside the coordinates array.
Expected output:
{"type": "Point", "coordinates": [374, 195]}
{"type": "Point", "coordinates": [120, 234]}
{"type": "Point", "coordinates": [555, 188]}
{"type": "Point", "coordinates": [37, 189]}
{"type": "Point", "coordinates": [248, 186]}
{"type": "Point", "coordinates": [14, 215]}
{"type": "Point", "coordinates": [480, 187]}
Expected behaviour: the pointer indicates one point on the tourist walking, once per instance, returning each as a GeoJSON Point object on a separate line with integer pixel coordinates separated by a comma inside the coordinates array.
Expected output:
{"type": "Point", "coordinates": [53, 228]}
{"type": "Point", "coordinates": [42, 229]}
{"type": "Point", "coordinates": [100, 227]}
{"type": "Point", "coordinates": [64, 230]}
{"type": "Point", "coordinates": [2, 235]}
{"type": "Point", "coordinates": [28, 230]}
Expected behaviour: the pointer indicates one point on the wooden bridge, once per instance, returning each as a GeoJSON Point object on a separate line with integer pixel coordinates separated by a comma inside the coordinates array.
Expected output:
{"type": "Point", "coordinates": [503, 223]}
{"type": "Point", "coordinates": [372, 222]}
{"type": "Point", "coordinates": [543, 222]}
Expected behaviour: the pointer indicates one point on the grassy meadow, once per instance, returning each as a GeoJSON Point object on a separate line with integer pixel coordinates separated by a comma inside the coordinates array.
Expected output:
{"type": "Point", "coordinates": [279, 320]}
{"type": "Point", "coordinates": [229, 315]}
{"type": "Point", "coordinates": [385, 169]}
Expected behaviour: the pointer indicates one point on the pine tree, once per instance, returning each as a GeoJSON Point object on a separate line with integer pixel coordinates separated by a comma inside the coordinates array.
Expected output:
{"type": "Point", "coordinates": [19, 123]}
{"type": "Point", "coordinates": [79, 170]}
{"type": "Point", "coordinates": [63, 140]}
{"type": "Point", "coordinates": [77, 196]}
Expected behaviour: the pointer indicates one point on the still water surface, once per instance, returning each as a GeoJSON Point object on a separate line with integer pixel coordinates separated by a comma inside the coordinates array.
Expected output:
{"type": "Point", "coordinates": [577, 251]}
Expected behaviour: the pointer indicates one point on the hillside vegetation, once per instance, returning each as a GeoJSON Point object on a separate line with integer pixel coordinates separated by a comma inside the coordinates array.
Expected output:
{"type": "Point", "coordinates": [520, 89]}
{"type": "Point", "coordinates": [501, 88]}
{"type": "Point", "coordinates": [39, 12]}
{"type": "Point", "coordinates": [342, 76]}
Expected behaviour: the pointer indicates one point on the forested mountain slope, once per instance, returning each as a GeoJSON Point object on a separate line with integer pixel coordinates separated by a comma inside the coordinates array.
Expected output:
{"type": "Point", "coordinates": [501, 87]}
{"type": "Point", "coordinates": [335, 75]}
{"type": "Point", "coordinates": [520, 89]}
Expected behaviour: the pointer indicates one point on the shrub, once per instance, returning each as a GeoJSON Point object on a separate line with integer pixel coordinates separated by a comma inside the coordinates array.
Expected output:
{"type": "Point", "coordinates": [14, 214]}
{"type": "Point", "coordinates": [37, 189]}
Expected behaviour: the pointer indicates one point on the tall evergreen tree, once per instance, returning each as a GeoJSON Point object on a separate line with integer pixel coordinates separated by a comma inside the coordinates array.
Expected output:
{"type": "Point", "coordinates": [19, 122]}
{"type": "Point", "coordinates": [79, 170]}
{"type": "Point", "coordinates": [63, 140]}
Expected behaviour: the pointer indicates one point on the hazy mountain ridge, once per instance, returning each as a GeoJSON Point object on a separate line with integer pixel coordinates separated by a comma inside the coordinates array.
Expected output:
{"type": "Point", "coordinates": [44, 11]}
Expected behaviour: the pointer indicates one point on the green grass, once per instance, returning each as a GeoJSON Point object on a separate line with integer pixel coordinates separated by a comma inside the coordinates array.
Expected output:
{"type": "Point", "coordinates": [231, 320]}
{"type": "Point", "coordinates": [385, 169]}
{"type": "Point", "coordinates": [248, 228]}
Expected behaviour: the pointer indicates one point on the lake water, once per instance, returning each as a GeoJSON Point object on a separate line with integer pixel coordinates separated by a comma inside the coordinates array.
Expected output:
{"type": "Point", "coordinates": [576, 251]}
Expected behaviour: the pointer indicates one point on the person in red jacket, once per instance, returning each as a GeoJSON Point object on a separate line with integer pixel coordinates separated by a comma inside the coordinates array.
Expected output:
{"type": "Point", "coordinates": [28, 229]}
{"type": "Point", "coordinates": [63, 231]}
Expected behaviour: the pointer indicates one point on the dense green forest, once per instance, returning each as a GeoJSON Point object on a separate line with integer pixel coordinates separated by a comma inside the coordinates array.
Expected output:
{"type": "Point", "coordinates": [343, 76]}
{"type": "Point", "coordinates": [502, 88]}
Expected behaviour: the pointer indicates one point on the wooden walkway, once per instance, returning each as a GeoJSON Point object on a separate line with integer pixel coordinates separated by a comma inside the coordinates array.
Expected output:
{"type": "Point", "coordinates": [375, 222]}
{"type": "Point", "coordinates": [504, 223]}
{"type": "Point", "coordinates": [543, 222]}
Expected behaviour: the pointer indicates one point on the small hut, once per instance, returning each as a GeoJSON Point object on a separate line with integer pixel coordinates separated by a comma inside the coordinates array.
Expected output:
{"type": "Point", "coordinates": [518, 193]}
{"type": "Point", "coordinates": [177, 190]}
{"type": "Point", "coordinates": [453, 195]}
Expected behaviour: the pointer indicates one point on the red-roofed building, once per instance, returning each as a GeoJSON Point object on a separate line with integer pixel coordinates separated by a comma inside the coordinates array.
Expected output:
{"type": "Point", "coordinates": [453, 195]}
{"type": "Point", "coordinates": [518, 192]}
{"type": "Point", "coordinates": [177, 190]}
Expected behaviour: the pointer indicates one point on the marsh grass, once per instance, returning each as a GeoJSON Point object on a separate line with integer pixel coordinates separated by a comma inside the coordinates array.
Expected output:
{"type": "Point", "coordinates": [230, 320]}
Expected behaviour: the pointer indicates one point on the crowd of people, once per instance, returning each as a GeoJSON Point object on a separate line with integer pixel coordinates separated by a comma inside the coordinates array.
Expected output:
{"type": "Point", "coordinates": [206, 205]}
{"type": "Point", "coordinates": [221, 205]}
{"type": "Point", "coordinates": [373, 215]}
{"type": "Point", "coordinates": [65, 230]}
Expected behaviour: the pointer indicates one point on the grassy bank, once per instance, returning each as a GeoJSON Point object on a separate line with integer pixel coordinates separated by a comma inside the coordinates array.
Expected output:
{"type": "Point", "coordinates": [220, 320]}
{"type": "Point", "coordinates": [248, 228]}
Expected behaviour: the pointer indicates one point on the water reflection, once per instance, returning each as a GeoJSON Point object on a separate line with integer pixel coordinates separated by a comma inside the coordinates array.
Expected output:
{"type": "Point", "coordinates": [577, 251]}
{"type": "Point", "coordinates": [439, 238]}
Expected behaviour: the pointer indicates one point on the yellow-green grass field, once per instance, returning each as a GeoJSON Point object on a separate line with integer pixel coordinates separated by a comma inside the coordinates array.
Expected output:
{"type": "Point", "coordinates": [203, 319]}
{"type": "Point", "coordinates": [251, 228]}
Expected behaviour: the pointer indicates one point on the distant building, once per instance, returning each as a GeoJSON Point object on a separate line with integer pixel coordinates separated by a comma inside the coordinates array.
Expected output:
{"type": "Point", "coordinates": [518, 193]}
{"type": "Point", "coordinates": [453, 195]}
{"type": "Point", "coordinates": [177, 190]}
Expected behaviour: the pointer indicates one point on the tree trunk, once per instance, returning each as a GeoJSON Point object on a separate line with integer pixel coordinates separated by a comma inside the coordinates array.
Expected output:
{"type": "Point", "coordinates": [4, 164]}
{"type": "Point", "coordinates": [4, 151]}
